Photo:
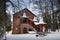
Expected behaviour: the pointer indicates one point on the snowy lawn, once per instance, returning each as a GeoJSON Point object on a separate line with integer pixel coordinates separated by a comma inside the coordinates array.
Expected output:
{"type": "Point", "coordinates": [51, 36]}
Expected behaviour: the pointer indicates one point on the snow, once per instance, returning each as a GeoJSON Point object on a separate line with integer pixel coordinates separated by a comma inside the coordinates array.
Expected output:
{"type": "Point", "coordinates": [40, 21]}
{"type": "Point", "coordinates": [31, 32]}
{"type": "Point", "coordinates": [50, 36]}
{"type": "Point", "coordinates": [24, 15]}
{"type": "Point", "coordinates": [36, 23]}
{"type": "Point", "coordinates": [35, 19]}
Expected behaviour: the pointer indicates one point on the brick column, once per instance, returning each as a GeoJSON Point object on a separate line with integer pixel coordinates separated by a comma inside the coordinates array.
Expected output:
{"type": "Point", "coordinates": [26, 20]}
{"type": "Point", "coordinates": [40, 28]}
{"type": "Point", "coordinates": [30, 22]}
{"type": "Point", "coordinates": [37, 28]}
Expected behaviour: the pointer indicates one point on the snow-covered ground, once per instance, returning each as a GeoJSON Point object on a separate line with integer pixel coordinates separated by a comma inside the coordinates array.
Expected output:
{"type": "Point", "coordinates": [50, 36]}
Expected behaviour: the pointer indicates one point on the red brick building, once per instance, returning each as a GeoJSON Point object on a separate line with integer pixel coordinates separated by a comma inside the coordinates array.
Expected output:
{"type": "Point", "coordinates": [23, 21]}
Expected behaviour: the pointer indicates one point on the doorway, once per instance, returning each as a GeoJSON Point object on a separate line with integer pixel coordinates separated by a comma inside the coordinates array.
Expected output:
{"type": "Point", "coordinates": [25, 30]}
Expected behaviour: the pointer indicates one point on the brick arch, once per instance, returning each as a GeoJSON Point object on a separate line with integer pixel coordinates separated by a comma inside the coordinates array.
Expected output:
{"type": "Point", "coordinates": [26, 27]}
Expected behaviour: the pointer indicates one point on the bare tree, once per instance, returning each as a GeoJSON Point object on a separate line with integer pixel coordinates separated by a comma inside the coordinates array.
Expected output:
{"type": "Point", "coordinates": [50, 5]}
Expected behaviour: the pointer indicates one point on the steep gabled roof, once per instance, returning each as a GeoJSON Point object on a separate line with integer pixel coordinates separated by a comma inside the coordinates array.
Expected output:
{"type": "Point", "coordinates": [24, 10]}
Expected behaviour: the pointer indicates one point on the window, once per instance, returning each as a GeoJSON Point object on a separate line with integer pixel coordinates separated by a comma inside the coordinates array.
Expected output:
{"type": "Point", "coordinates": [24, 20]}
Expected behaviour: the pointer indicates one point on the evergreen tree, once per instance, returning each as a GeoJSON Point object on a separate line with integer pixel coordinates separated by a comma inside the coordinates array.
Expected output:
{"type": "Point", "coordinates": [4, 19]}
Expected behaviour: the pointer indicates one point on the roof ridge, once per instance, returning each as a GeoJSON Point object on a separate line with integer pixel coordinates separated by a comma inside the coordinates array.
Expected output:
{"type": "Point", "coordinates": [24, 9]}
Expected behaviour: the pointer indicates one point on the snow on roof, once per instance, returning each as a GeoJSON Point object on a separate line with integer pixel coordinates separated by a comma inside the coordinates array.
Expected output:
{"type": "Point", "coordinates": [36, 23]}
{"type": "Point", "coordinates": [24, 15]}
{"type": "Point", "coordinates": [40, 21]}
{"type": "Point", "coordinates": [35, 19]}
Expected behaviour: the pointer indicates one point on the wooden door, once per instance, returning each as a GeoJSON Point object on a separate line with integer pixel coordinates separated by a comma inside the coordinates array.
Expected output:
{"type": "Point", "coordinates": [24, 30]}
